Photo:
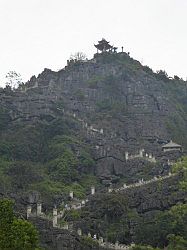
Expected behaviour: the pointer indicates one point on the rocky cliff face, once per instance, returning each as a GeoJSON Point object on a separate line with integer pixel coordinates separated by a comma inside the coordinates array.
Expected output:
{"type": "Point", "coordinates": [125, 210]}
{"type": "Point", "coordinates": [118, 106]}
{"type": "Point", "coordinates": [55, 239]}
{"type": "Point", "coordinates": [62, 127]}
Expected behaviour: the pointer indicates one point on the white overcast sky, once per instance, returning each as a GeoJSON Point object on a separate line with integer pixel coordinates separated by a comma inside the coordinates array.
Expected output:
{"type": "Point", "coordinates": [38, 34]}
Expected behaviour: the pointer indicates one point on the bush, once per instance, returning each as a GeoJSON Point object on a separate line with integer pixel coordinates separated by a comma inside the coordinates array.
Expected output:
{"type": "Point", "coordinates": [15, 234]}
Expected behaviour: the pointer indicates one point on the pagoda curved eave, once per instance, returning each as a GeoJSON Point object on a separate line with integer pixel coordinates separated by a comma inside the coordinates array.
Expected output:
{"type": "Point", "coordinates": [101, 47]}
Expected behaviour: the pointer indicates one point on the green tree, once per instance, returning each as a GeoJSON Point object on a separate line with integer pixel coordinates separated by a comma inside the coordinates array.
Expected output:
{"type": "Point", "coordinates": [6, 220]}
{"type": "Point", "coordinates": [4, 118]}
{"type": "Point", "coordinates": [176, 242]}
{"type": "Point", "coordinates": [79, 56]}
{"type": "Point", "coordinates": [63, 168]}
{"type": "Point", "coordinates": [13, 79]}
{"type": "Point", "coordinates": [162, 75]}
{"type": "Point", "coordinates": [23, 235]}
{"type": "Point", "coordinates": [181, 167]}
{"type": "Point", "coordinates": [15, 234]}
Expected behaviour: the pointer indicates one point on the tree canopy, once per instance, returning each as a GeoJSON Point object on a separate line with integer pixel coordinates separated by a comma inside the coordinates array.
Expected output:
{"type": "Point", "coordinates": [15, 234]}
{"type": "Point", "coordinates": [13, 79]}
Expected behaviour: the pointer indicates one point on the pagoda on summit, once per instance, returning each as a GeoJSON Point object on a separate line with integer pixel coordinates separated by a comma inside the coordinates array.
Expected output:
{"type": "Point", "coordinates": [103, 46]}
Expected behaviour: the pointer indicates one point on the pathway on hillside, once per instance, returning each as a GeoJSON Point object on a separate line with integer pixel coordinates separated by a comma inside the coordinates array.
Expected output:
{"type": "Point", "coordinates": [79, 205]}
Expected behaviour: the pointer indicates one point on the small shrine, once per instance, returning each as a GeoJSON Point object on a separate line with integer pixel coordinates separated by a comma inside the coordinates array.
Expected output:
{"type": "Point", "coordinates": [171, 146]}
{"type": "Point", "coordinates": [104, 46]}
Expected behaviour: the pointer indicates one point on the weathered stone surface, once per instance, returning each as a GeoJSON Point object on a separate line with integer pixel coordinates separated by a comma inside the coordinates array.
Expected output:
{"type": "Point", "coordinates": [146, 200]}
{"type": "Point", "coordinates": [118, 107]}
{"type": "Point", "coordinates": [57, 239]}
{"type": "Point", "coordinates": [132, 107]}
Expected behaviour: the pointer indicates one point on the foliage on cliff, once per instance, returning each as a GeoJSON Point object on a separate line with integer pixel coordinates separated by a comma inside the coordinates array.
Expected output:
{"type": "Point", "coordinates": [46, 158]}
{"type": "Point", "coordinates": [15, 234]}
{"type": "Point", "coordinates": [45, 148]}
{"type": "Point", "coordinates": [181, 167]}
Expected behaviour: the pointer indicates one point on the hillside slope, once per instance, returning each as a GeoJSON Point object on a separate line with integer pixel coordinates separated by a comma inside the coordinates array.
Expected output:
{"type": "Point", "coordinates": [71, 129]}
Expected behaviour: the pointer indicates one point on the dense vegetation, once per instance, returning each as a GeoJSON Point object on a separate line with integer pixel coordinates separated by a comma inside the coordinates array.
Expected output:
{"type": "Point", "coordinates": [167, 228]}
{"type": "Point", "coordinates": [111, 216]}
{"type": "Point", "coordinates": [15, 233]}
{"type": "Point", "coordinates": [50, 159]}
{"type": "Point", "coordinates": [114, 220]}
{"type": "Point", "coordinates": [50, 156]}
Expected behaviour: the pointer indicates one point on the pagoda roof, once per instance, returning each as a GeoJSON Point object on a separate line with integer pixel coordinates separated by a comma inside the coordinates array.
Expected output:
{"type": "Point", "coordinates": [171, 145]}
{"type": "Point", "coordinates": [103, 44]}
{"type": "Point", "coordinates": [103, 41]}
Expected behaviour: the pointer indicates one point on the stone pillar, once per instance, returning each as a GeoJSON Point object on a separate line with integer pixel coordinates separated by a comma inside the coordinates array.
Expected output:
{"type": "Point", "coordinates": [141, 152]}
{"type": "Point", "coordinates": [89, 235]}
{"type": "Point", "coordinates": [55, 213]}
{"type": "Point", "coordinates": [117, 245]}
{"type": "Point", "coordinates": [62, 213]}
{"type": "Point", "coordinates": [29, 211]}
{"type": "Point", "coordinates": [39, 209]}
{"type": "Point", "coordinates": [92, 190]}
{"type": "Point", "coordinates": [126, 156]}
{"type": "Point", "coordinates": [154, 159]}
{"type": "Point", "coordinates": [150, 156]}
{"type": "Point", "coordinates": [100, 240]}
{"type": "Point", "coordinates": [83, 202]}
{"type": "Point", "coordinates": [71, 194]}
{"type": "Point", "coordinates": [79, 232]}
{"type": "Point", "coordinates": [65, 226]}
{"type": "Point", "coordinates": [132, 244]}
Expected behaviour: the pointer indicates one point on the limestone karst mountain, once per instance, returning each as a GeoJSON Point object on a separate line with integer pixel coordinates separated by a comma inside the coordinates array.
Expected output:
{"type": "Point", "coordinates": [96, 122]}
{"type": "Point", "coordinates": [115, 103]}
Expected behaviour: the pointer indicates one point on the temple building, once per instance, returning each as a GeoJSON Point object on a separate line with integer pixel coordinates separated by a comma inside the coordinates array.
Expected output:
{"type": "Point", "coordinates": [171, 146]}
{"type": "Point", "coordinates": [104, 46]}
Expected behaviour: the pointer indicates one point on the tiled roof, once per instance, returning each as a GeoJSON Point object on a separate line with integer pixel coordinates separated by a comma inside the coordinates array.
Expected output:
{"type": "Point", "coordinates": [171, 145]}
